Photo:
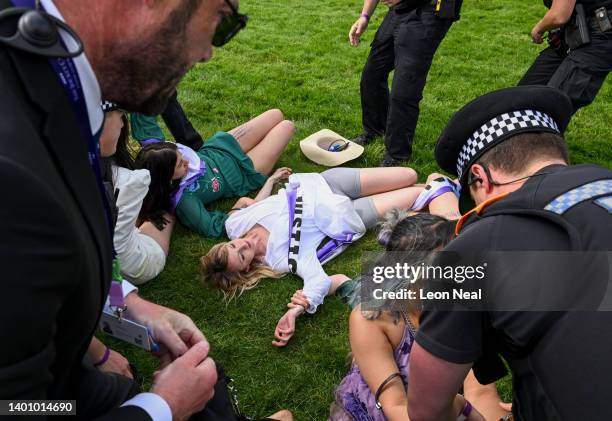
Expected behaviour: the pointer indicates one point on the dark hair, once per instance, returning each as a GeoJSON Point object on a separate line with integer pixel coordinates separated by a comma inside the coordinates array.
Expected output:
{"type": "Point", "coordinates": [419, 232]}
{"type": "Point", "coordinates": [515, 154]}
{"type": "Point", "coordinates": [411, 240]}
{"type": "Point", "coordinates": [160, 159]}
{"type": "Point", "coordinates": [122, 156]}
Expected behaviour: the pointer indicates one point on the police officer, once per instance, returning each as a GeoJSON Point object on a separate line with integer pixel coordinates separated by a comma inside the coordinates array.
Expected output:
{"type": "Point", "coordinates": [579, 56]}
{"type": "Point", "coordinates": [508, 152]}
{"type": "Point", "coordinates": [406, 42]}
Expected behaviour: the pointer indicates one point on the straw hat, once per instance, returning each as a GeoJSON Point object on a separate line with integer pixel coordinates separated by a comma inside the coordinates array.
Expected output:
{"type": "Point", "coordinates": [316, 148]}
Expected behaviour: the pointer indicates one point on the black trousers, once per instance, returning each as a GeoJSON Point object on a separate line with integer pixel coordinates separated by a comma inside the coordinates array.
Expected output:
{"type": "Point", "coordinates": [180, 126]}
{"type": "Point", "coordinates": [580, 73]}
{"type": "Point", "coordinates": [405, 42]}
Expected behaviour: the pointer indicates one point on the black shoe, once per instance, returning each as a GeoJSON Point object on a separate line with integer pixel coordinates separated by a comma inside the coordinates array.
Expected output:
{"type": "Point", "coordinates": [392, 162]}
{"type": "Point", "coordinates": [363, 139]}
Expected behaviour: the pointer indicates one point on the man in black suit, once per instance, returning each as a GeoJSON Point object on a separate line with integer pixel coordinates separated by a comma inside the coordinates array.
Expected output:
{"type": "Point", "coordinates": [55, 245]}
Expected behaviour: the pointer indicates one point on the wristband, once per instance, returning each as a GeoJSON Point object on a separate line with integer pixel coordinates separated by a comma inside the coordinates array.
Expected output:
{"type": "Point", "coordinates": [104, 358]}
{"type": "Point", "coordinates": [365, 15]}
{"type": "Point", "coordinates": [465, 412]}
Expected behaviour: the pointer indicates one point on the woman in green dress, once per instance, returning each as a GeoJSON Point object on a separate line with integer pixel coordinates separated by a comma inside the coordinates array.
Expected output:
{"type": "Point", "coordinates": [229, 164]}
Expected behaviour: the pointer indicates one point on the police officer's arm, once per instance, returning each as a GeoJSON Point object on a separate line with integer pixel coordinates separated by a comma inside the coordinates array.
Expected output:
{"type": "Point", "coordinates": [434, 383]}
{"type": "Point", "coordinates": [558, 15]}
{"type": "Point", "coordinates": [361, 24]}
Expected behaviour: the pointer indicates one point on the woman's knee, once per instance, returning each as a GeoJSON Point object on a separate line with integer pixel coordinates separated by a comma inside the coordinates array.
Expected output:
{"type": "Point", "coordinates": [287, 126]}
{"type": "Point", "coordinates": [410, 174]}
{"type": "Point", "coordinates": [406, 174]}
{"type": "Point", "coordinates": [275, 115]}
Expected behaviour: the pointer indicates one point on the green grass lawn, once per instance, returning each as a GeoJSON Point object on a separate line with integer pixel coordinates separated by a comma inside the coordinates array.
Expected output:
{"type": "Point", "coordinates": [294, 55]}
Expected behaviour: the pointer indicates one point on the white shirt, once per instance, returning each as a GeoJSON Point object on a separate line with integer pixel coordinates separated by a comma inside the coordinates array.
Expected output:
{"type": "Point", "coordinates": [324, 214]}
{"type": "Point", "coordinates": [157, 408]}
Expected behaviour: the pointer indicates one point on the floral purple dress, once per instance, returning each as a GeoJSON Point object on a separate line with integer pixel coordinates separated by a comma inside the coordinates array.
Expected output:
{"type": "Point", "coordinates": [355, 401]}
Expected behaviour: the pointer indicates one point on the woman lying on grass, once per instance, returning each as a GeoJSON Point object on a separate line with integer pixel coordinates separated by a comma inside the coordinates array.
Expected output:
{"type": "Point", "coordinates": [141, 247]}
{"type": "Point", "coordinates": [340, 203]}
{"type": "Point", "coordinates": [230, 164]}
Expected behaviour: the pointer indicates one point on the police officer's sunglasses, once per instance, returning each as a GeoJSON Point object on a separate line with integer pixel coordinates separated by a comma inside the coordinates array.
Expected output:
{"type": "Point", "coordinates": [229, 26]}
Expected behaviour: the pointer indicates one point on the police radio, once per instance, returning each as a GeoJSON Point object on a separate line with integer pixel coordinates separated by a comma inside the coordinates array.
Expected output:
{"type": "Point", "coordinates": [38, 33]}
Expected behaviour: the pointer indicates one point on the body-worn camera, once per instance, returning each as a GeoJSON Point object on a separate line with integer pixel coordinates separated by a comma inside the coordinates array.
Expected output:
{"type": "Point", "coordinates": [602, 19]}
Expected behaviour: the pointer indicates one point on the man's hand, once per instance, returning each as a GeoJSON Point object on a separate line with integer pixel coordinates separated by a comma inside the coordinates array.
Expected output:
{"type": "Point", "coordinates": [357, 29]}
{"type": "Point", "coordinates": [174, 332]}
{"type": "Point", "coordinates": [117, 363]}
{"type": "Point", "coordinates": [536, 34]}
{"type": "Point", "coordinates": [243, 202]}
{"type": "Point", "coordinates": [187, 383]}
{"type": "Point", "coordinates": [285, 328]}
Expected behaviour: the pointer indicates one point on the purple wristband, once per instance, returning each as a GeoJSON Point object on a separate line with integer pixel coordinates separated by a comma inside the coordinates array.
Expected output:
{"type": "Point", "coordinates": [365, 15]}
{"type": "Point", "coordinates": [465, 412]}
{"type": "Point", "coordinates": [104, 358]}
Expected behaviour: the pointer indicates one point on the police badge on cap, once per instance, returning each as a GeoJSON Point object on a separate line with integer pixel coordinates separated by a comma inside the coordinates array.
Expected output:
{"type": "Point", "coordinates": [108, 106]}
{"type": "Point", "coordinates": [494, 117]}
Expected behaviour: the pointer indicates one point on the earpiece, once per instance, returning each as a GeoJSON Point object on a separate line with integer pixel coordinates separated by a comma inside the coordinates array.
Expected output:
{"type": "Point", "coordinates": [473, 178]}
{"type": "Point", "coordinates": [38, 33]}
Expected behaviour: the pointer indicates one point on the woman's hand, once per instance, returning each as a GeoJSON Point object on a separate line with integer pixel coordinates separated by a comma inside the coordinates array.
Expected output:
{"type": "Point", "coordinates": [299, 300]}
{"type": "Point", "coordinates": [282, 173]}
{"type": "Point", "coordinates": [285, 328]}
{"type": "Point", "coordinates": [357, 29]}
{"type": "Point", "coordinates": [243, 202]}
{"type": "Point", "coordinates": [117, 363]}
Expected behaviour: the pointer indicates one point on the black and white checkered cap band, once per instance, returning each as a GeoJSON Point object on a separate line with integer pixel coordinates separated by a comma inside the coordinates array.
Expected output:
{"type": "Point", "coordinates": [501, 126]}
{"type": "Point", "coordinates": [108, 106]}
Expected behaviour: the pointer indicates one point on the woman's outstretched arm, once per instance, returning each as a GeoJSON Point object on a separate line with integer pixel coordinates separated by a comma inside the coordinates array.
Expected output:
{"type": "Point", "coordinates": [280, 174]}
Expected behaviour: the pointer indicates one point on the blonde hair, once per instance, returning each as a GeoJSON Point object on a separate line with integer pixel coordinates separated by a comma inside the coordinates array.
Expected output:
{"type": "Point", "coordinates": [213, 271]}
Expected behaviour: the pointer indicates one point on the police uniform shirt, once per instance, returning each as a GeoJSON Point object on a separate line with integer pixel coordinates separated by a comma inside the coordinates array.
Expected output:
{"type": "Point", "coordinates": [591, 5]}
{"type": "Point", "coordinates": [541, 353]}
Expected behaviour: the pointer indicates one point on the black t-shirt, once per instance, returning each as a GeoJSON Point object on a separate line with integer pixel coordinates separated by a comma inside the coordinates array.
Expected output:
{"type": "Point", "coordinates": [561, 361]}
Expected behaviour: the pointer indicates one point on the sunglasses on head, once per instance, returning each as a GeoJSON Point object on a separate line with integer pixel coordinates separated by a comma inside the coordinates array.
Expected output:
{"type": "Point", "coordinates": [229, 26]}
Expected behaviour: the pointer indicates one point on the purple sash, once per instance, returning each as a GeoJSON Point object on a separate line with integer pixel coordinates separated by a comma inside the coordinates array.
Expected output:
{"type": "Point", "coordinates": [329, 250]}
{"type": "Point", "coordinates": [176, 197]}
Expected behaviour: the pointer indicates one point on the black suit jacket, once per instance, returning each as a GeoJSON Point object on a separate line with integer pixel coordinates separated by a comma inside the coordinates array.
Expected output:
{"type": "Point", "coordinates": [55, 247]}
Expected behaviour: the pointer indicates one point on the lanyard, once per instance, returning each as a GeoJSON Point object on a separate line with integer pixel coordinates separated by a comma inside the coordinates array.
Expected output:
{"type": "Point", "coordinates": [68, 76]}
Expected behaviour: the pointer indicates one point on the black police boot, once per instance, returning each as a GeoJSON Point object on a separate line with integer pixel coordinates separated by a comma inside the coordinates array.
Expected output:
{"type": "Point", "coordinates": [363, 138]}
{"type": "Point", "coordinates": [389, 161]}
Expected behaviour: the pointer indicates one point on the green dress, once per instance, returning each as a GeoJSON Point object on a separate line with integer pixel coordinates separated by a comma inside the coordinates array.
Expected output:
{"type": "Point", "coordinates": [229, 173]}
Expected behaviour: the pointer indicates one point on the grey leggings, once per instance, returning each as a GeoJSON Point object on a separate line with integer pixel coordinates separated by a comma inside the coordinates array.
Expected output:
{"type": "Point", "coordinates": [346, 182]}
